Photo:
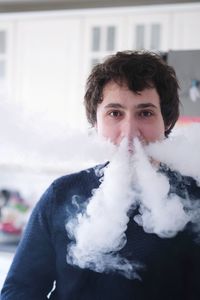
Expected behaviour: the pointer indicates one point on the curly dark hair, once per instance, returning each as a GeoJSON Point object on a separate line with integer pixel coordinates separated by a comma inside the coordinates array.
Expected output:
{"type": "Point", "coordinates": [138, 70]}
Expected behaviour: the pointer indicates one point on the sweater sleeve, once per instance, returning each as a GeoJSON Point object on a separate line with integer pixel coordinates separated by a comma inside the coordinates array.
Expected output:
{"type": "Point", "coordinates": [32, 271]}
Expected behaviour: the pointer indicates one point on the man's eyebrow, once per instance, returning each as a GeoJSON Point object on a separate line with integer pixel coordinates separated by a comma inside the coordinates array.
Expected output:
{"type": "Point", "coordinates": [146, 105]}
{"type": "Point", "coordinates": [114, 105]}
{"type": "Point", "coordinates": [141, 105]}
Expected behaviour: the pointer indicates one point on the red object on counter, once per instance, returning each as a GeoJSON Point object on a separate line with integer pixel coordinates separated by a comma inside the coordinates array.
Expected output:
{"type": "Point", "coordinates": [8, 227]}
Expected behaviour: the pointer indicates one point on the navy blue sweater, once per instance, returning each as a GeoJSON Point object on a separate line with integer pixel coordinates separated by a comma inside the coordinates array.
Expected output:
{"type": "Point", "coordinates": [172, 266]}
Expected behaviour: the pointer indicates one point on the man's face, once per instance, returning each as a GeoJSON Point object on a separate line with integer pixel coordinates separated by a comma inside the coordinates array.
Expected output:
{"type": "Point", "coordinates": [124, 114]}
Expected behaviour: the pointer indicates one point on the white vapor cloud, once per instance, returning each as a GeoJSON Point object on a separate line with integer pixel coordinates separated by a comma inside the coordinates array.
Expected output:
{"type": "Point", "coordinates": [31, 139]}
{"type": "Point", "coordinates": [181, 151]}
{"type": "Point", "coordinates": [100, 231]}
{"type": "Point", "coordinates": [159, 213]}
{"type": "Point", "coordinates": [135, 181]}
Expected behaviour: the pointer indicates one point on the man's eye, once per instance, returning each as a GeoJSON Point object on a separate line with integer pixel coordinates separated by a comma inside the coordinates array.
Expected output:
{"type": "Point", "coordinates": [146, 113]}
{"type": "Point", "coordinates": [115, 113]}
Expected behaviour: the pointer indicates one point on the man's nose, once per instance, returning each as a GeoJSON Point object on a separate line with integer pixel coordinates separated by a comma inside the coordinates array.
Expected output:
{"type": "Point", "coordinates": [130, 129]}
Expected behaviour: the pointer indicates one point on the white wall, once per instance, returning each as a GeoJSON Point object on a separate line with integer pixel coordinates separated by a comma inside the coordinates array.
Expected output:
{"type": "Point", "coordinates": [48, 68]}
{"type": "Point", "coordinates": [186, 27]}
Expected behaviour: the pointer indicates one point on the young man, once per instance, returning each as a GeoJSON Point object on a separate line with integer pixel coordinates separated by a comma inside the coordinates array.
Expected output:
{"type": "Point", "coordinates": [130, 95]}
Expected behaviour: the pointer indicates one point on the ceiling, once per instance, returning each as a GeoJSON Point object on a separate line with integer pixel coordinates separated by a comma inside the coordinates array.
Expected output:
{"type": "Point", "coordinates": [38, 5]}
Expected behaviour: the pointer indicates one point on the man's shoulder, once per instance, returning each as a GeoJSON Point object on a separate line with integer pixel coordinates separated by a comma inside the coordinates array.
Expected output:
{"type": "Point", "coordinates": [185, 186]}
{"type": "Point", "coordinates": [90, 176]}
{"type": "Point", "coordinates": [63, 189]}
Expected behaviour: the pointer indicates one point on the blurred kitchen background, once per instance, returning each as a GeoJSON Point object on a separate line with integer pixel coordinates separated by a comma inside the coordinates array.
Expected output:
{"type": "Point", "coordinates": [47, 49]}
